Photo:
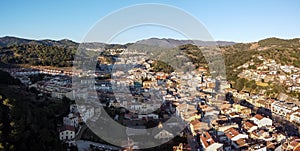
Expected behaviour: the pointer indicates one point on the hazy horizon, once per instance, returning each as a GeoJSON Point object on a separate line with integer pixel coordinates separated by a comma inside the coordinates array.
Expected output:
{"type": "Point", "coordinates": [142, 39]}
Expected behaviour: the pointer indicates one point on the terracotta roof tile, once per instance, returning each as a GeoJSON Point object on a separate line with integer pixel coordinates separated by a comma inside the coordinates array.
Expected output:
{"type": "Point", "coordinates": [231, 132]}
{"type": "Point", "coordinates": [206, 140]}
{"type": "Point", "coordinates": [258, 116]}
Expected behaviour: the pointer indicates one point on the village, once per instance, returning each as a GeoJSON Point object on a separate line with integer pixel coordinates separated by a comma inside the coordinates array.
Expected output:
{"type": "Point", "coordinates": [140, 98]}
{"type": "Point", "coordinates": [269, 71]}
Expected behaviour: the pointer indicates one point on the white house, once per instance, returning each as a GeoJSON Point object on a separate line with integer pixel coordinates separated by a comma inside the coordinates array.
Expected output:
{"type": "Point", "coordinates": [71, 120]}
{"type": "Point", "coordinates": [295, 117]}
{"type": "Point", "coordinates": [283, 108]}
{"type": "Point", "coordinates": [261, 121]}
{"type": "Point", "coordinates": [86, 112]}
{"type": "Point", "coordinates": [241, 95]}
{"type": "Point", "coordinates": [73, 108]}
{"type": "Point", "coordinates": [236, 138]}
{"type": "Point", "coordinates": [209, 144]}
{"type": "Point", "coordinates": [67, 133]}
{"type": "Point", "coordinates": [136, 106]}
{"type": "Point", "coordinates": [163, 135]}
{"type": "Point", "coordinates": [234, 135]}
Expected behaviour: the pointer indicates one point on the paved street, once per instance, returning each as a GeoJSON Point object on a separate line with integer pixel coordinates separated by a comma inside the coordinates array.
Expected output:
{"type": "Point", "coordinates": [85, 145]}
{"type": "Point", "coordinates": [194, 145]}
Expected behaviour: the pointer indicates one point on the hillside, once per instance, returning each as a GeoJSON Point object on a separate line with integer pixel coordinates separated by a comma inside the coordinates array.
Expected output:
{"type": "Point", "coordinates": [60, 53]}
{"type": "Point", "coordinates": [244, 59]}
{"type": "Point", "coordinates": [8, 41]}
{"type": "Point", "coordinates": [285, 52]}
{"type": "Point", "coordinates": [34, 54]}
{"type": "Point", "coordinates": [28, 122]}
{"type": "Point", "coordinates": [171, 43]}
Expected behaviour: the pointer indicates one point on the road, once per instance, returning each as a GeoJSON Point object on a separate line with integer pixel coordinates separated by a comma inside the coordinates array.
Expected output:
{"type": "Point", "coordinates": [81, 130]}
{"type": "Point", "coordinates": [84, 145]}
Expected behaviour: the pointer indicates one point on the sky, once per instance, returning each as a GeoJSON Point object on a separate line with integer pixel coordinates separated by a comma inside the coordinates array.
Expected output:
{"type": "Point", "coordinates": [234, 20]}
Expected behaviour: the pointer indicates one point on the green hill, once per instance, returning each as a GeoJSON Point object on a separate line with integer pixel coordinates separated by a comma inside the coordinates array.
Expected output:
{"type": "Point", "coordinates": [27, 123]}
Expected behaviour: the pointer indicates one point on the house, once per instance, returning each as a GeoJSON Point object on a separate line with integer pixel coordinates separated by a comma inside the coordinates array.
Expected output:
{"type": "Point", "coordinates": [238, 107]}
{"type": "Point", "coordinates": [226, 111]}
{"type": "Point", "coordinates": [196, 126]}
{"type": "Point", "coordinates": [86, 112]}
{"type": "Point", "coordinates": [268, 103]}
{"type": "Point", "coordinates": [233, 134]}
{"type": "Point", "coordinates": [58, 95]}
{"type": "Point", "coordinates": [202, 69]}
{"type": "Point", "coordinates": [149, 84]}
{"type": "Point", "coordinates": [249, 126]}
{"type": "Point", "coordinates": [215, 147]}
{"type": "Point", "coordinates": [261, 121]}
{"type": "Point", "coordinates": [298, 80]}
{"type": "Point", "coordinates": [246, 112]}
{"type": "Point", "coordinates": [260, 103]}
{"type": "Point", "coordinates": [136, 106]}
{"type": "Point", "coordinates": [237, 139]}
{"type": "Point", "coordinates": [269, 78]}
{"type": "Point", "coordinates": [163, 135]}
{"type": "Point", "coordinates": [283, 108]}
{"type": "Point", "coordinates": [295, 117]}
{"type": "Point", "coordinates": [294, 88]}
{"type": "Point", "coordinates": [233, 115]}
{"type": "Point", "coordinates": [182, 147]}
{"type": "Point", "coordinates": [187, 112]}
{"type": "Point", "coordinates": [240, 144]}
{"type": "Point", "coordinates": [291, 144]}
{"type": "Point", "coordinates": [226, 126]}
{"type": "Point", "coordinates": [258, 147]}
{"type": "Point", "coordinates": [71, 120]}
{"type": "Point", "coordinates": [209, 144]}
{"type": "Point", "coordinates": [67, 133]}
{"type": "Point", "coordinates": [262, 134]}
{"type": "Point", "coordinates": [242, 95]}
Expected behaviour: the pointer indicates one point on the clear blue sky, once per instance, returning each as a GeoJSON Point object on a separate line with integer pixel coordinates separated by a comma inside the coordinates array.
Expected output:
{"type": "Point", "coordinates": [229, 20]}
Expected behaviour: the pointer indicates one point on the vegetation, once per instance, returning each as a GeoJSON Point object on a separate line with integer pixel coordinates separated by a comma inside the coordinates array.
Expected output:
{"type": "Point", "coordinates": [37, 55]}
{"type": "Point", "coordinates": [279, 42]}
{"type": "Point", "coordinates": [194, 54]}
{"type": "Point", "coordinates": [234, 60]}
{"type": "Point", "coordinates": [159, 66]}
{"type": "Point", "coordinates": [27, 123]}
{"type": "Point", "coordinates": [285, 52]}
{"type": "Point", "coordinates": [61, 54]}
{"type": "Point", "coordinates": [5, 78]}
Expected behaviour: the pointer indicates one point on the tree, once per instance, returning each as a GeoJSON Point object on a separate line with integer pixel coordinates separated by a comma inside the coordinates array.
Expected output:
{"type": "Point", "coordinates": [240, 84]}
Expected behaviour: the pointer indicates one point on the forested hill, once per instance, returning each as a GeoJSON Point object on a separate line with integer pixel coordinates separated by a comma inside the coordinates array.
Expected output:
{"type": "Point", "coordinates": [26, 122]}
{"type": "Point", "coordinates": [61, 53]}
{"type": "Point", "coordinates": [9, 41]}
{"type": "Point", "coordinates": [285, 52]}
{"type": "Point", "coordinates": [37, 55]}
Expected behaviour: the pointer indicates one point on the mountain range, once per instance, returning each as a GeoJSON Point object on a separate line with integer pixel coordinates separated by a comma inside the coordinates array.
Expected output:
{"type": "Point", "coordinates": [169, 43]}
{"type": "Point", "coordinates": [164, 42]}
